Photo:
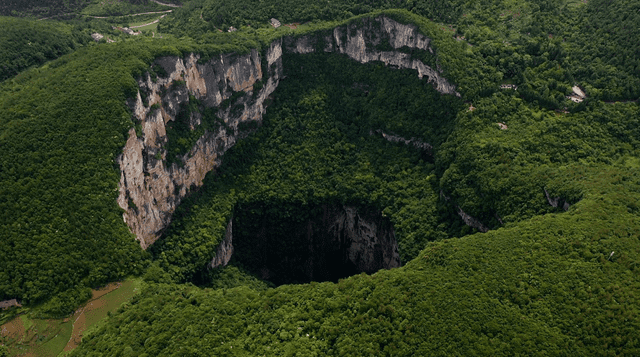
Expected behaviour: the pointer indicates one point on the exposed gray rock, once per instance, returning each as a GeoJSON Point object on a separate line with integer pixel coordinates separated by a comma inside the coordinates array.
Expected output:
{"type": "Point", "coordinates": [471, 221]}
{"type": "Point", "coordinates": [149, 189]}
{"type": "Point", "coordinates": [557, 201]}
{"type": "Point", "coordinates": [359, 42]}
{"type": "Point", "coordinates": [225, 249]}
{"type": "Point", "coordinates": [468, 219]}
{"type": "Point", "coordinates": [416, 143]}
{"type": "Point", "coordinates": [337, 242]}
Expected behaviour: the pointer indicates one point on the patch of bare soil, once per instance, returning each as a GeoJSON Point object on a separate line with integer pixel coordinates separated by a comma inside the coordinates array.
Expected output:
{"type": "Point", "coordinates": [13, 329]}
{"type": "Point", "coordinates": [80, 319]}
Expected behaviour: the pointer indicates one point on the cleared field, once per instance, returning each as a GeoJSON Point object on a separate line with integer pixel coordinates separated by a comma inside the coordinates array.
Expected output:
{"type": "Point", "coordinates": [53, 337]}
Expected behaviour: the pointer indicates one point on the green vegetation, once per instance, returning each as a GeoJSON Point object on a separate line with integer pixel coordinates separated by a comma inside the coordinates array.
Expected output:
{"type": "Point", "coordinates": [41, 8]}
{"type": "Point", "coordinates": [32, 334]}
{"type": "Point", "coordinates": [180, 133]}
{"type": "Point", "coordinates": [330, 156]}
{"type": "Point", "coordinates": [72, 8]}
{"type": "Point", "coordinates": [199, 17]}
{"type": "Point", "coordinates": [61, 225]}
{"type": "Point", "coordinates": [26, 43]}
{"type": "Point", "coordinates": [542, 280]}
{"type": "Point", "coordinates": [545, 284]}
{"type": "Point", "coordinates": [121, 7]}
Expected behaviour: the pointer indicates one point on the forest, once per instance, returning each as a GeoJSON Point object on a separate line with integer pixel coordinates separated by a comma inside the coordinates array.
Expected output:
{"type": "Point", "coordinates": [554, 182]}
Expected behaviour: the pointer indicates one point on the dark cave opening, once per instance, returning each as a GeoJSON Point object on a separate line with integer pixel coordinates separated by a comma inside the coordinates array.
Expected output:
{"type": "Point", "coordinates": [292, 244]}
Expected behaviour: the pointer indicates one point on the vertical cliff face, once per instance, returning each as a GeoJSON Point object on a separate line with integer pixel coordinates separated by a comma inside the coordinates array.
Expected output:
{"type": "Point", "coordinates": [368, 238]}
{"type": "Point", "coordinates": [377, 39]}
{"type": "Point", "coordinates": [225, 248]}
{"type": "Point", "coordinates": [332, 243]}
{"type": "Point", "coordinates": [151, 188]}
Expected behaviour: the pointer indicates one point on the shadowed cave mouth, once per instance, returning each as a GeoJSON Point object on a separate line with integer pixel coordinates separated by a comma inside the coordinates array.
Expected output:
{"type": "Point", "coordinates": [293, 244]}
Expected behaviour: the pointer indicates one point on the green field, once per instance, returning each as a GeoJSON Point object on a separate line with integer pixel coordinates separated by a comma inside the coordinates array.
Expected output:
{"type": "Point", "coordinates": [49, 337]}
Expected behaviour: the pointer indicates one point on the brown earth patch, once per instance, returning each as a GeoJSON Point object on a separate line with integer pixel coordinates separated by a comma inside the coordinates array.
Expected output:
{"type": "Point", "coordinates": [80, 319]}
{"type": "Point", "coordinates": [24, 341]}
{"type": "Point", "coordinates": [13, 329]}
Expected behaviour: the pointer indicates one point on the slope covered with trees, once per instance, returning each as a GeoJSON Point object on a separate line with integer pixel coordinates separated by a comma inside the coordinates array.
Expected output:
{"type": "Point", "coordinates": [26, 43]}
{"type": "Point", "coordinates": [62, 126]}
{"type": "Point", "coordinates": [555, 182]}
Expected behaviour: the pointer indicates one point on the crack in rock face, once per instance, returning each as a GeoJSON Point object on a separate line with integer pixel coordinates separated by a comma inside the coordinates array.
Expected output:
{"type": "Point", "coordinates": [151, 187]}
{"type": "Point", "coordinates": [328, 243]}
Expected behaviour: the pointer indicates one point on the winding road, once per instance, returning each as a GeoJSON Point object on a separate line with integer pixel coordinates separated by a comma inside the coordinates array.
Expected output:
{"type": "Point", "coordinates": [165, 4]}
{"type": "Point", "coordinates": [140, 13]}
{"type": "Point", "coordinates": [150, 23]}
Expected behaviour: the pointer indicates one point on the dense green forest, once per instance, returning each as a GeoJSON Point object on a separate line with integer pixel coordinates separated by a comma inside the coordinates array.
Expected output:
{"type": "Point", "coordinates": [543, 280]}
{"type": "Point", "coordinates": [27, 43]}
{"type": "Point", "coordinates": [69, 9]}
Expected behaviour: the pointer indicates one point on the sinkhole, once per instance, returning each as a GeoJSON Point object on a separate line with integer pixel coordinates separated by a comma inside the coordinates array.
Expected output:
{"type": "Point", "coordinates": [292, 244]}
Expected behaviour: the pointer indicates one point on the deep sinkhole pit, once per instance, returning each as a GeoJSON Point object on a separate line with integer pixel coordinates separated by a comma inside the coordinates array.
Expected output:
{"type": "Point", "coordinates": [290, 244]}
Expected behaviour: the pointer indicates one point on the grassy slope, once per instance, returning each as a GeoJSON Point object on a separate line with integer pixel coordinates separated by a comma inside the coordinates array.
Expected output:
{"type": "Point", "coordinates": [49, 337]}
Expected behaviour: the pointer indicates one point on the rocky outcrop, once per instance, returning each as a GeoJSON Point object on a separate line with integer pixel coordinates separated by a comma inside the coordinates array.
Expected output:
{"type": "Point", "coordinates": [361, 40]}
{"type": "Point", "coordinates": [557, 201]}
{"type": "Point", "coordinates": [151, 189]}
{"type": "Point", "coordinates": [336, 242]}
{"type": "Point", "coordinates": [468, 219]}
{"type": "Point", "coordinates": [225, 248]}
{"type": "Point", "coordinates": [471, 221]}
{"type": "Point", "coordinates": [416, 143]}
{"type": "Point", "coordinates": [368, 238]}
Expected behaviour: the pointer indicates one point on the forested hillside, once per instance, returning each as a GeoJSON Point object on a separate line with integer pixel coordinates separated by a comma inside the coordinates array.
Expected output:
{"type": "Point", "coordinates": [26, 43]}
{"type": "Point", "coordinates": [516, 218]}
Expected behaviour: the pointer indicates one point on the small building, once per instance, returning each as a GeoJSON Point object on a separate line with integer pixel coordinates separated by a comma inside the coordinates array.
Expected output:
{"type": "Point", "coordinates": [232, 29]}
{"type": "Point", "coordinates": [96, 36]}
{"type": "Point", "coordinates": [509, 86]}
{"type": "Point", "coordinates": [578, 95]}
{"type": "Point", "coordinates": [127, 30]}
{"type": "Point", "coordinates": [275, 23]}
{"type": "Point", "coordinates": [9, 303]}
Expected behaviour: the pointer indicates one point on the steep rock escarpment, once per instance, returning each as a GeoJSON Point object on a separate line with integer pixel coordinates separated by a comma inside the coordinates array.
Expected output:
{"type": "Point", "coordinates": [151, 188]}
{"type": "Point", "coordinates": [225, 248]}
{"type": "Point", "coordinates": [335, 242]}
{"type": "Point", "coordinates": [362, 42]}
{"type": "Point", "coordinates": [556, 202]}
{"type": "Point", "coordinates": [468, 219]}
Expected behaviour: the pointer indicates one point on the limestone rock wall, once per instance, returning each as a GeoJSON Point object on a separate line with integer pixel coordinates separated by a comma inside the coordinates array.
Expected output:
{"type": "Point", "coordinates": [360, 41]}
{"type": "Point", "coordinates": [225, 248]}
{"type": "Point", "coordinates": [150, 190]}
{"type": "Point", "coordinates": [557, 201]}
{"type": "Point", "coordinates": [368, 238]}
{"type": "Point", "coordinates": [468, 219]}
{"type": "Point", "coordinates": [334, 242]}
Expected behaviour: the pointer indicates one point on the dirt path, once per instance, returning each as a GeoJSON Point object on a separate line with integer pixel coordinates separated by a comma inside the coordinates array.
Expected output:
{"type": "Point", "coordinates": [150, 23]}
{"type": "Point", "coordinates": [141, 13]}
